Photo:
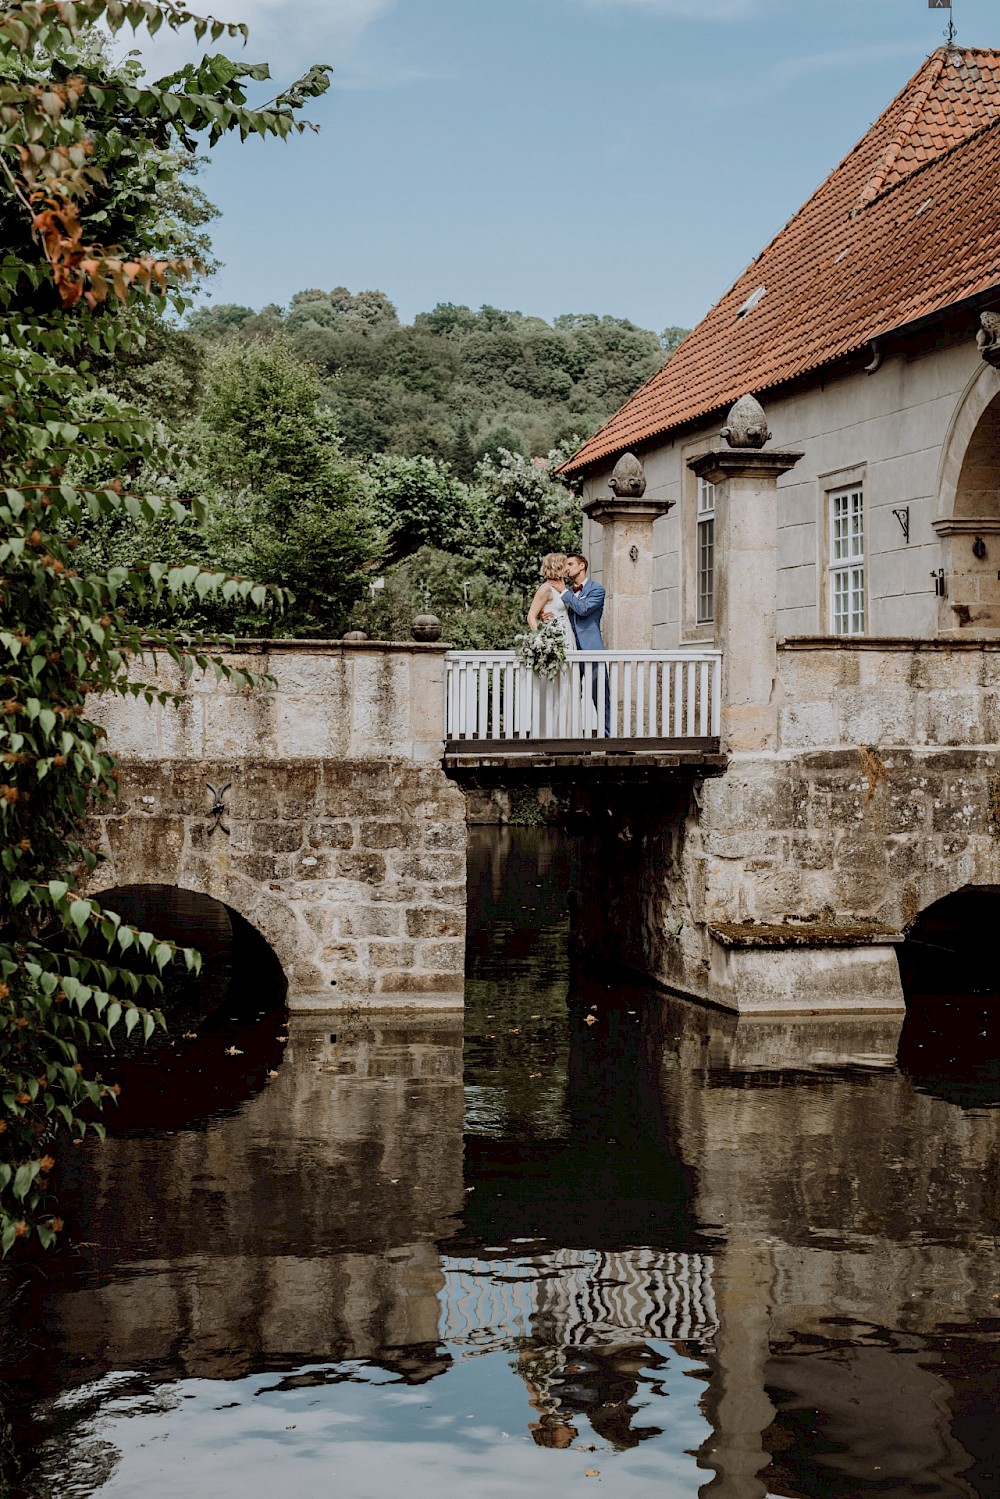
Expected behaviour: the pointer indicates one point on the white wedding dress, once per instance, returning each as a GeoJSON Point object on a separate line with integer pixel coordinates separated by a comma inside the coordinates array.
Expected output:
{"type": "Point", "coordinates": [551, 706]}
{"type": "Point", "coordinates": [560, 614]}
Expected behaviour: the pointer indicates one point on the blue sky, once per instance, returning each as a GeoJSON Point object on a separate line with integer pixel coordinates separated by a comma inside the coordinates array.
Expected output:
{"type": "Point", "coordinates": [609, 156]}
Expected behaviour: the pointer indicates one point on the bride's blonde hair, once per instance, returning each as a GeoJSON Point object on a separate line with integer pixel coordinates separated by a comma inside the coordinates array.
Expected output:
{"type": "Point", "coordinates": [554, 566]}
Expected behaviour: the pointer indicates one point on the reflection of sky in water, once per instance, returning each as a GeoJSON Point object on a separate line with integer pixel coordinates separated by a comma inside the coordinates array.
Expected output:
{"type": "Point", "coordinates": [366, 1435]}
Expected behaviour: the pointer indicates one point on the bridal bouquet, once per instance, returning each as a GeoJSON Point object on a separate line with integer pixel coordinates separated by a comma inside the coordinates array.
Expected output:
{"type": "Point", "coordinates": [543, 650]}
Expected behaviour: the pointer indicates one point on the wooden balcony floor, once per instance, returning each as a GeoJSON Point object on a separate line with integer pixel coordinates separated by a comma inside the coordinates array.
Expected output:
{"type": "Point", "coordinates": [616, 759]}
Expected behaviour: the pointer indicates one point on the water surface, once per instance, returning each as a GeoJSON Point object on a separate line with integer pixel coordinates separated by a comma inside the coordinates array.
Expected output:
{"type": "Point", "coordinates": [605, 1238]}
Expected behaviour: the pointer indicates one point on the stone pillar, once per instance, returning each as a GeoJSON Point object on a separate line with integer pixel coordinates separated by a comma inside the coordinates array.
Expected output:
{"type": "Point", "coordinates": [628, 567]}
{"type": "Point", "coordinates": [746, 588]}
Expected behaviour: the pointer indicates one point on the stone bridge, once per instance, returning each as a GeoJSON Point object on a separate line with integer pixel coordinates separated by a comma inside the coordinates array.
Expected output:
{"type": "Point", "coordinates": [340, 837]}
{"type": "Point", "coordinates": [776, 867]}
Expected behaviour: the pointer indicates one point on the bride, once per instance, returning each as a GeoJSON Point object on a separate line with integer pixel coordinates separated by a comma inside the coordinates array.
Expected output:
{"type": "Point", "coordinates": [547, 603]}
{"type": "Point", "coordinates": [550, 704]}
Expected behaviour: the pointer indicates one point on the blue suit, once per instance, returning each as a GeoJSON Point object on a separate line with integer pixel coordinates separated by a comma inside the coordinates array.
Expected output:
{"type": "Point", "coordinates": [585, 609]}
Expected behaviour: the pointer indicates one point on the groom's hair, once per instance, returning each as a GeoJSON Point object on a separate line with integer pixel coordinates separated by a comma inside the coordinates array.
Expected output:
{"type": "Point", "coordinates": [579, 557]}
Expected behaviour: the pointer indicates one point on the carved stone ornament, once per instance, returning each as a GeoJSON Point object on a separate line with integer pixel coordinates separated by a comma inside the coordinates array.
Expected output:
{"type": "Point", "coordinates": [746, 426]}
{"type": "Point", "coordinates": [426, 627]}
{"type": "Point", "coordinates": [988, 338]}
{"type": "Point", "coordinates": [628, 481]}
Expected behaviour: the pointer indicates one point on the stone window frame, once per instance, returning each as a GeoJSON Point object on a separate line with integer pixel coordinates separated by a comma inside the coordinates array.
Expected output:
{"type": "Point", "coordinates": [692, 630]}
{"type": "Point", "coordinates": [833, 482]}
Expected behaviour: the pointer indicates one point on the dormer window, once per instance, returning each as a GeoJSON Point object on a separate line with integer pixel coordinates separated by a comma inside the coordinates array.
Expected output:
{"type": "Point", "coordinates": [751, 301]}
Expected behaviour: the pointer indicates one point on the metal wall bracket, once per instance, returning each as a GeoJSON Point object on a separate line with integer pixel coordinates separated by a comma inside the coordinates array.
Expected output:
{"type": "Point", "coordinates": [218, 809]}
{"type": "Point", "coordinates": [903, 516]}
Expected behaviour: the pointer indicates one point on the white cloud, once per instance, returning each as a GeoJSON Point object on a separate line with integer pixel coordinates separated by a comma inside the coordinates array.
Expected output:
{"type": "Point", "coordinates": [289, 36]}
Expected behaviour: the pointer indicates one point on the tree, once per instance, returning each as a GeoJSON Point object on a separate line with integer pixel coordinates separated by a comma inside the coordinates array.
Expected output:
{"type": "Point", "coordinates": [282, 502]}
{"type": "Point", "coordinates": [524, 513]}
{"type": "Point", "coordinates": [418, 502]}
{"type": "Point", "coordinates": [86, 154]}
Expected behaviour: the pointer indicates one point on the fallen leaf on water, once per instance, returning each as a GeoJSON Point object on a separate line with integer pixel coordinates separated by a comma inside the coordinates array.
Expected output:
{"type": "Point", "coordinates": [536, 1017]}
{"type": "Point", "coordinates": [516, 1031]}
{"type": "Point", "coordinates": [281, 1038]}
{"type": "Point", "coordinates": [534, 1074]}
{"type": "Point", "coordinates": [233, 1051]}
{"type": "Point", "coordinates": [590, 1019]}
{"type": "Point", "coordinates": [593, 1007]}
{"type": "Point", "coordinates": [272, 1074]}
{"type": "Point", "coordinates": [190, 1035]}
{"type": "Point", "coordinates": [591, 1472]}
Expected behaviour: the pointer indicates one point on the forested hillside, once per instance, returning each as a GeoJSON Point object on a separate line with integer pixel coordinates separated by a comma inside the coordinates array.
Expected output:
{"type": "Point", "coordinates": [455, 384]}
{"type": "Point", "coordinates": [372, 469]}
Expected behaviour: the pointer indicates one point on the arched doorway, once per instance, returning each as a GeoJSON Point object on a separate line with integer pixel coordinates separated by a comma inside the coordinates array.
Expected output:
{"type": "Point", "coordinates": [225, 1026]}
{"type": "Point", "coordinates": [968, 522]}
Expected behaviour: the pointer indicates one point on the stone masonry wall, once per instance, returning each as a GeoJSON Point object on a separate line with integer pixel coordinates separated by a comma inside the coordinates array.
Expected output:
{"type": "Point", "coordinates": [342, 841]}
{"type": "Point", "coordinates": [783, 883]}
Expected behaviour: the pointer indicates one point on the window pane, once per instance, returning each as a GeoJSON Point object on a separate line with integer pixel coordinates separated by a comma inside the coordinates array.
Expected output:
{"type": "Point", "coordinates": [706, 498]}
{"type": "Point", "coordinates": [847, 572]}
{"type": "Point", "coordinates": [706, 570]}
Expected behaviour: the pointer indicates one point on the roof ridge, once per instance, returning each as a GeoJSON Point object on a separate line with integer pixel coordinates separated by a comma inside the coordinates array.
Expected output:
{"type": "Point", "coordinates": [932, 161]}
{"type": "Point", "coordinates": [938, 61]}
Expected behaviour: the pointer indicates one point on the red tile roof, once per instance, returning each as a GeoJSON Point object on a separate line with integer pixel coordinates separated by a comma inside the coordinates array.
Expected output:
{"type": "Point", "coordinates": [907, 225]}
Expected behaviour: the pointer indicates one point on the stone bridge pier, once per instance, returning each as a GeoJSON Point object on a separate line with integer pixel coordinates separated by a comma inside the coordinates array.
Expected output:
{"type": "Point", "coordinates": [317, 809]}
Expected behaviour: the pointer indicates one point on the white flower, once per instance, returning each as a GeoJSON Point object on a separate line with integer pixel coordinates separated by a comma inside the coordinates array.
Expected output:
{"type": "Point", "coordinates": [543, 650]}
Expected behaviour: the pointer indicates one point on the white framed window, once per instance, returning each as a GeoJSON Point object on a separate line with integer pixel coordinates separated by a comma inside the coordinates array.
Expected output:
{"type": "Point", "coordinates": [705, 551]}
{"type": "Point", "coordinates": [847, 561]}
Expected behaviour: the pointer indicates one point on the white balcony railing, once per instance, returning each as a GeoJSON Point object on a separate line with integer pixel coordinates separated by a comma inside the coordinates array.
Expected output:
{"type": "Point", "coordinates": [491, 695]}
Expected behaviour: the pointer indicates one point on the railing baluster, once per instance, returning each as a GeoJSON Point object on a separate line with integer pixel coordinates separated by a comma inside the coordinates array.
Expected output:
{"type": "Point", "coordinates": [491, 696]}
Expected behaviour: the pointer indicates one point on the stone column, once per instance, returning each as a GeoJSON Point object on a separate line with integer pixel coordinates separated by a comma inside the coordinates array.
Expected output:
{"type": "Point", "coordinates": [628, 567]}
{"type": "Point", "coordinates": [746, 587]}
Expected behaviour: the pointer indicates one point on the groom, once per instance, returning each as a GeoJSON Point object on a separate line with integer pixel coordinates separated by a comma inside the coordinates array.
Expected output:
{"type": "Point", "coordinates": [584, 599]}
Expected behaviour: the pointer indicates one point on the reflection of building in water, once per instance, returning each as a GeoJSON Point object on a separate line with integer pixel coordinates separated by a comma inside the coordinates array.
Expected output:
{"type": "Point", "coordinates": [856, 1283]}
{"type": "Point", "coordinates": [580, 1322]}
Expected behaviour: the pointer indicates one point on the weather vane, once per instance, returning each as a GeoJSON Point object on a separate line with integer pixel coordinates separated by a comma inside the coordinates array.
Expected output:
{"type": "Point", "coordinates": [945, 5]}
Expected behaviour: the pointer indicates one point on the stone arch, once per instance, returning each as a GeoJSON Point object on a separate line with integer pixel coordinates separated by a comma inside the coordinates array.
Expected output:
{"type": "Point", "coordinates": [977, 400]}
{"type": "Point", "coordinates": [950, 943]}
{"type": "Point", "coordinates": [968, 512]}
{"type": "Point", "coordinates": [133, 857]}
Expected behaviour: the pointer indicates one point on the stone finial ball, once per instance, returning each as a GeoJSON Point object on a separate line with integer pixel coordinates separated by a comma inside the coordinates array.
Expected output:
{"type": "Point", "coordinates": [426, 627]}
{"type": "Point", "coordinates": [356, 635]}
{"type": "Point", "coordinates": [746, 426]}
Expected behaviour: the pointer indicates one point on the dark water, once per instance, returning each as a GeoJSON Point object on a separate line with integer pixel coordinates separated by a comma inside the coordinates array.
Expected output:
{"type": "Point", "coordinates": [617, 1241]}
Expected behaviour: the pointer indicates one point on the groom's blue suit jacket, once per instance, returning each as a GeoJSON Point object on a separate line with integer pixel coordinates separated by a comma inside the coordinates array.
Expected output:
{"type": "Point", "coordinates": [585, 610]}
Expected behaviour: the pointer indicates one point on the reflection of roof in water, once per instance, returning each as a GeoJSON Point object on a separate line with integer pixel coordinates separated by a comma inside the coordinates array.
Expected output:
{"type": "Point", "coordinates": [573, 1297]}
